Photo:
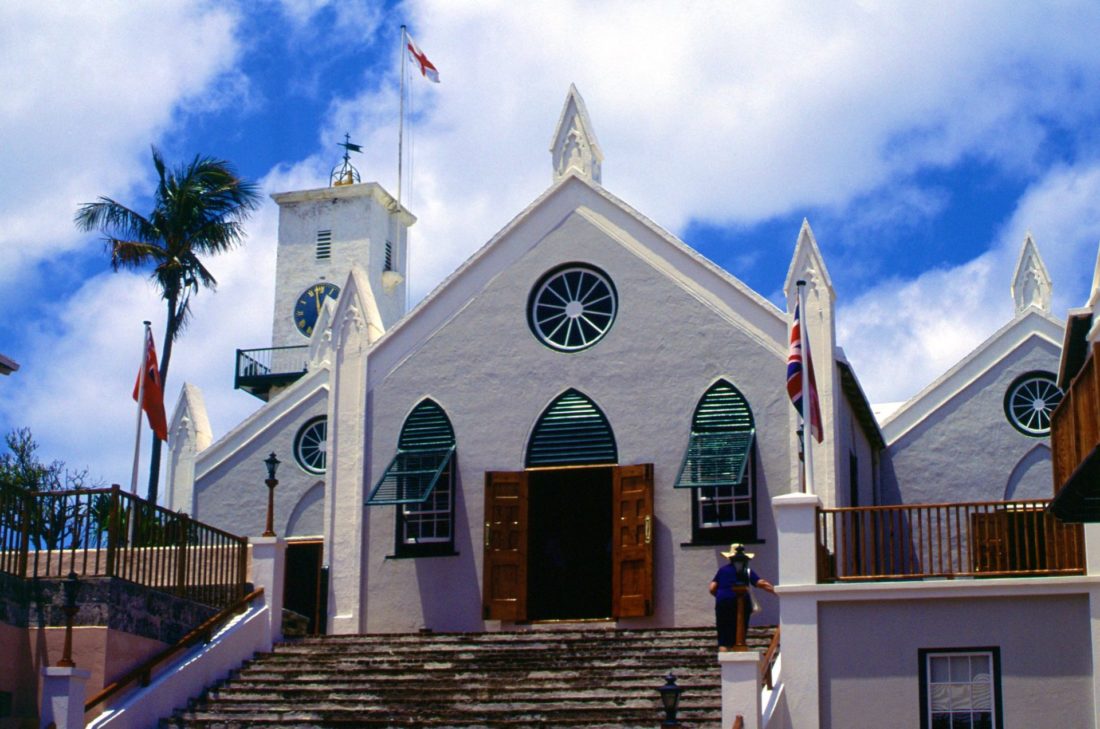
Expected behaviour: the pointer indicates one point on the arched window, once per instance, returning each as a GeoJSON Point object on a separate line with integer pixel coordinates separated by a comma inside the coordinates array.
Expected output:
{"type": "Point", "coordinates": [718, 467]}
{"type": "Point", "coordinates": [572, 431]}
{"type": "Point", "coordinates": [420, 482]}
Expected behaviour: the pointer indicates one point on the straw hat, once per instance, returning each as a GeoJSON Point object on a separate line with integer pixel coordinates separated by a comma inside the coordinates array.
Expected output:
{"type": "Point", "coordinates": [733, 551]}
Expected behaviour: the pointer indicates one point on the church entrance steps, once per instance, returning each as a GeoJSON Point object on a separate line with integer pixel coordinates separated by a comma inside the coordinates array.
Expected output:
{"type": "Point", "coordinates": [539, 678]}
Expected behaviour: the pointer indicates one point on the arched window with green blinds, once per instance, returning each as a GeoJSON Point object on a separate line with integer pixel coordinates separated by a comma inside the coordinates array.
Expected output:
{"type": "Point", "coordinates": [424, 451]}
{"type": "Point", "coordinates": [572, 431]}
{"type": "Point", "coordinates": [717, 467]}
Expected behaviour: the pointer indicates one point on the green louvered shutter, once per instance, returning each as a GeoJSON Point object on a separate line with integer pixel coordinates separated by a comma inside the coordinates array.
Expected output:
{"type": "Point", "coordinates": [722, 433]}
{"type": "Point", "coordinates": [571, 431]}
{"type": "Point", "coordinates": [425, 447]}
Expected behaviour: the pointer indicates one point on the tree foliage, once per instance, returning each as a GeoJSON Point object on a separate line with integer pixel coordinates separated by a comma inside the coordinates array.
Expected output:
{"type": "Point", "coordinates": [198, 210]}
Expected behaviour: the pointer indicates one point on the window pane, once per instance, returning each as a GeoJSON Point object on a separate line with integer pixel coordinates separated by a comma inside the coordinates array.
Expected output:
{"type": "Point", "coordinates": [960, 669]}
{"type": "Point", "coordinates": [960, 696]}
{"type": "Point", "coordinates": [939, 669]}
{"type": "Point", "coordinates": [983, 720]}
{"type": "Point", "coordinates": [941, 721]}
{"type": "Point", "coordinates": [938, 696]}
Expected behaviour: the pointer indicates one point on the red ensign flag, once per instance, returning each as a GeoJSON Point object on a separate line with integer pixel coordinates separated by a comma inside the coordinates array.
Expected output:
{"type": "Point", "coordinates": [152, 399]}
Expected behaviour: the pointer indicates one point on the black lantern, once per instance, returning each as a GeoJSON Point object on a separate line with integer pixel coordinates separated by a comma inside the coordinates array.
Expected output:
{"type": "Point", "coordinates": [272, 463]}
{"type": "Point", "coordinates": [670, 700]}
{"type": "Point", "coordinates": [70, 589]}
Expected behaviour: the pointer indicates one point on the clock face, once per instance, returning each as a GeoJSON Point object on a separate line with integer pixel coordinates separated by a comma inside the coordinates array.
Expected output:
{"type": "Point", "coordinates": [309, 304]}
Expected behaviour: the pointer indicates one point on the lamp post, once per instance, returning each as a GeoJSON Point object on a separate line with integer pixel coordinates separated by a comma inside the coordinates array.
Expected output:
{"type": "Point", "coordinates": [71, 589]}
{"type": "Point", "coordinates": [670, 700]}
{"type": "Point", "coordinates": [272, 464]}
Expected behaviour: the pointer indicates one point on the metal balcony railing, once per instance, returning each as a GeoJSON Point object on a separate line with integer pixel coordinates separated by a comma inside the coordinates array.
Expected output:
{"type": "Point", "coordinates": [259, 370]}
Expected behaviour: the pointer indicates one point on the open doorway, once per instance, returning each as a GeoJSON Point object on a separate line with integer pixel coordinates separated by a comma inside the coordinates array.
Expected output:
{"type": "Point", "coordinates": [569, 549]}
{"type": "Point", "coordinates": [304, 589]}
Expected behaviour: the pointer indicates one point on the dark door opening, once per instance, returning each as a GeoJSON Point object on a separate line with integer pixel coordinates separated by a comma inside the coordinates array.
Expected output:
{"type": "Point", "coordinates": [304, 590]}
{"type": "Point", "coordinates": [569, 544]}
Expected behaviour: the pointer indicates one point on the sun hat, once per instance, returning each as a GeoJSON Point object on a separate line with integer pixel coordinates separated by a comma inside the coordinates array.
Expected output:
{"type": "Point", "coordinates": [733, 551]}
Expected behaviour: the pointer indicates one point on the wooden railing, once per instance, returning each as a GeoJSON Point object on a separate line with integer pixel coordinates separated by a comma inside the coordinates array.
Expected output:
{"type": "Point", "coordinates": [110, 533]}
{"type": "Point", "coordinates": [769, 660]}
{"type": "Point", "coordinates": [144, 672]}
{"type": "Point", "coordinates": [1075, 423]}
{"type": "Point", "coordinates": [981, 539]}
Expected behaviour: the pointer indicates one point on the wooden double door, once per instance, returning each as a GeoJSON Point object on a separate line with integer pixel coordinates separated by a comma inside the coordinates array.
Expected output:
{"type": "Point", "coordinates": [568, 544]}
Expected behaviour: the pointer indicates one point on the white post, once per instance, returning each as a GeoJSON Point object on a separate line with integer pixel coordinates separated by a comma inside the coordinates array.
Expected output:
{"type": "Point", "coordinates": [796, 524]}
{"type": "Point", "coordinates": [63, 697]}
{"type": "Point", "coordinates": [269, 572]}
{"type": "Point", "coordinates": [740, 688]}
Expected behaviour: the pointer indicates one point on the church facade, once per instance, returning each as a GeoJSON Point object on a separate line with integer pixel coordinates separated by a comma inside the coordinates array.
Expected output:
{"type": "Point", "coordinates": [577, 421]}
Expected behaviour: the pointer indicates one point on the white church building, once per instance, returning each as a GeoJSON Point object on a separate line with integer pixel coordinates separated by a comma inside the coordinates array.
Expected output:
{"type": "Point", "coordinates": [577, 421]}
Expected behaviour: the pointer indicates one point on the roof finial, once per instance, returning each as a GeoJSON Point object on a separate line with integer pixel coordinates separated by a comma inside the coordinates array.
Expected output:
{"type": "Point", "coordinates": [574, 147]}
{"type": "Point", "coordinates": [345, 173]}
{"type": "Point", "coordinates": [1031, 284]}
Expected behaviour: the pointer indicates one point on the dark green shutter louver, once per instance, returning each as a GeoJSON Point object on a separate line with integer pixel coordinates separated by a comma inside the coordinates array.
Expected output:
{"type": "Point", "coordinates": [571, 431]}
{"type": "Point", "coordinates": [722, 433]}
{"type": "Point", "coordinates": [424, 451]}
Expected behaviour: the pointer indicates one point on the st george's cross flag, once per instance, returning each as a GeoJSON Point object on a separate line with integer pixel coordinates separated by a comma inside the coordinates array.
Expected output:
{"type": "Point", "coordinates": [427, 69]}
{"type": "Point", "coordinates": [794, 377]}
{"type": "Point", "coordinates": [152, 394]}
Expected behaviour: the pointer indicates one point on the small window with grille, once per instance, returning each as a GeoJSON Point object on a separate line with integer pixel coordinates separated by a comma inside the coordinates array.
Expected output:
{"type": "Point", "coordinates": [387, 263]}
{"type": "Point", "coordinates": [324, 245]}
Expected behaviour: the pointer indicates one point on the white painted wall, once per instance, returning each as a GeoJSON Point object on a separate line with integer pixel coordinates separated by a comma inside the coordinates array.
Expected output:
{"type": "Point", "coordinates": [966, 450]}
{"type": "Point", "coordinates": [229, 490]}
{"type": "Point", "coordinates": [868, 654]}
{"type": "Point", "coordinates": [493, 377]}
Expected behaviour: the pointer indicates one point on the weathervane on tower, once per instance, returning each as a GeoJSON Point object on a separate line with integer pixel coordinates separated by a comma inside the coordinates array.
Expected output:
{"type": "Point", "coordinates": [345, 173]}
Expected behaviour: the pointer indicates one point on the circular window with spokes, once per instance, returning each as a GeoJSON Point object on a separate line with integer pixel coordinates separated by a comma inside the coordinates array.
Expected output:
{"type": "Point", "coordinates": [573, 307]}
{"type": "Point", "coordinates": [311, 445]}
{"type": "Point", "coordinates": [1030, 401]}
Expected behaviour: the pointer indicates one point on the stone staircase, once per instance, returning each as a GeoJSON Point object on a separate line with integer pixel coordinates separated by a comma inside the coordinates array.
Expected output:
{"type": "Point", "coordinates": [593, 678]}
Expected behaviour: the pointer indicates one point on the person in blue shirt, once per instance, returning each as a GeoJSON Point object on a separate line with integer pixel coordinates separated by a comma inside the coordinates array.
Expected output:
{"type": "Point", "coordinates": [722, 587]}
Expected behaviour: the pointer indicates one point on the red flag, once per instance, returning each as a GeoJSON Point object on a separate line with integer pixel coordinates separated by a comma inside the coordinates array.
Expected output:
{"type": "Point", "coordinates": [427, 68]}
{"type": "Point", "coordinates": [152, 399]}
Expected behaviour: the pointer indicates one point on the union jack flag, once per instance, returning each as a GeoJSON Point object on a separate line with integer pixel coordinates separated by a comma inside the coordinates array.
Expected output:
{"type": "Point", "coordinates": [794, 378]}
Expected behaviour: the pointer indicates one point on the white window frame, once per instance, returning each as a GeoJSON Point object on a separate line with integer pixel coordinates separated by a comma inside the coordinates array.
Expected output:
{"type": "Point", "coordinates": [963, 689]}
{"type": "Point", "coordinates": [438, 509]}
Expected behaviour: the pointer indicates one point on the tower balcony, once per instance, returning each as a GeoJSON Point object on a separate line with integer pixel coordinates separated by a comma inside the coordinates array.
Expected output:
{"type": "Point", "coordinates": [261, 370]}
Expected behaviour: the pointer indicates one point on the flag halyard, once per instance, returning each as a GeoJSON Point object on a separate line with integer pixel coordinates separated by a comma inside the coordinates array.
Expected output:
{"type": "Point", "coordinates": [795, 373]}
{"type": "Point", "coordinates": [151, 391]}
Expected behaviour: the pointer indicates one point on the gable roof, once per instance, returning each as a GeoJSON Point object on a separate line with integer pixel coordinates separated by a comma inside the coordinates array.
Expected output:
{"type": "Point", "coordinates": [575, 195]}
{"type": "Point", "coordinates": [1031, 323]}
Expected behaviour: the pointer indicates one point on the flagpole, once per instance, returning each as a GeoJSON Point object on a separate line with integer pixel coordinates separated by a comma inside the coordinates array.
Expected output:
{"type": "Point", "coordinates": [401, 117]}
{"type": "Point", "coordinates": [807, 406]}
{"type": "Point", "coordinates": [140, 399]}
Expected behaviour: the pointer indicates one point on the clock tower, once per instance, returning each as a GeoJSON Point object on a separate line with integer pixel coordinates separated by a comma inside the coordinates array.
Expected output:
{"type": "Point", "coordinates": [322, 233]}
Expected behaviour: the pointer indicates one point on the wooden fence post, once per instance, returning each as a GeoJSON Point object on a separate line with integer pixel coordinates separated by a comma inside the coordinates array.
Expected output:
{"type": "Point", "coordinates": [113, 531]}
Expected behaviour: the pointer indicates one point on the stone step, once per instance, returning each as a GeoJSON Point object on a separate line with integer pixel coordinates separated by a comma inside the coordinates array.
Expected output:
{"type": "Point", "coordinates": [576, 678]}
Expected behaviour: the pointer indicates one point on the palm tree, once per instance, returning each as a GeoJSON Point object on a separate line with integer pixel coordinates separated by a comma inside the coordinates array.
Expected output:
{"type": "Point", "coordinates": [198, 210]}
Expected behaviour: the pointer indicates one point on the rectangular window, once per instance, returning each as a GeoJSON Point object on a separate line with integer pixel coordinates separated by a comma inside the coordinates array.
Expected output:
{"type": "Point", "coordinates": [725, 514]}
{"type": "Point", "coordinates": [387, 263]}
{"type": "Point", "coordinates": [324, 245]}
{"type": "Point", "coordinates": [426, 529]}
{"type": "Point", "coordinates": [960, 688]}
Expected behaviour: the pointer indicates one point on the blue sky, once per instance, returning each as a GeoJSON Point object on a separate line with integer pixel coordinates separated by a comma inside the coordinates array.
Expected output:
{"type": "Point", "coordinates": [922, 142]}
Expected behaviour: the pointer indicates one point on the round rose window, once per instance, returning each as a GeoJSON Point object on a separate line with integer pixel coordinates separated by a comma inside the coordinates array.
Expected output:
{"type": "Point", "coordinates": [572, 308]}
{"type": "Point", "coordinates": [1029, 402]}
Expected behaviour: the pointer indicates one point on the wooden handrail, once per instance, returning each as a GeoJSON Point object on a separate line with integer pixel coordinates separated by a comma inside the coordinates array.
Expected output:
{"type": "Point", "coordinates": [769, 659]}
{"type": "Point", "coordinates": [739, 722]}
{"type": "Point", "coordinates": [144, 672]}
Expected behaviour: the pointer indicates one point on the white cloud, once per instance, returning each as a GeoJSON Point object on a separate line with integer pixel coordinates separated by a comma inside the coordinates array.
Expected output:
{"type": "Point", "coordinates": [725, 113]}
{"type": "Point", "coordinates": [86, 86]}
